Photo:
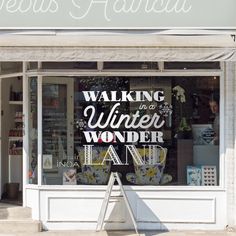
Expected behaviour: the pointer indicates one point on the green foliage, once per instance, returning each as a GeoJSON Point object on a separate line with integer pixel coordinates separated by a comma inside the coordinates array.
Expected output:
{"type": "Point", "coordinates": [183, 125]}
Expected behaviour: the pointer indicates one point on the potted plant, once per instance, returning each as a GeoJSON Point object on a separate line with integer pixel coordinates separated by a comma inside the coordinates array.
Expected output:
{"type": "Point", "coordinates": [184, 130]}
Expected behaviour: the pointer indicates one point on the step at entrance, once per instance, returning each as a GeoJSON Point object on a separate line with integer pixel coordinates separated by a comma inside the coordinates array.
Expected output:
{"type": "Point", "coordinates": [16, 219]}
{"type": "Point", "coordinates": [13, 212]}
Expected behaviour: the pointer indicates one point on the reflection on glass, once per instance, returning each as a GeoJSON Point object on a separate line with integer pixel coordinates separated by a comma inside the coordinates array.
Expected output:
{"type": "Point", "coordinates": [54, 131]}
{"type": "Point", "coordinates": [152, 130]}
{"type": "Point", "coordinates": [33, 139]}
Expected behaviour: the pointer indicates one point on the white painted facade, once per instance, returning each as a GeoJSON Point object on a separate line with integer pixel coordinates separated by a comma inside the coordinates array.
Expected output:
{"type": "Point", "coordinates": [155, 207]}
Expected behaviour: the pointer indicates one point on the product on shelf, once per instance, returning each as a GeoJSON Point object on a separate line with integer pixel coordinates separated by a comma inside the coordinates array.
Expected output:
{"type": "Point", "coordinates": [16, 148]}
{"type": "Point", "coordinates": [15, 96]}
{"type": "Point", "coordinates": [18, 116]}
{"type": "Point", "coordinates": [15, 133]}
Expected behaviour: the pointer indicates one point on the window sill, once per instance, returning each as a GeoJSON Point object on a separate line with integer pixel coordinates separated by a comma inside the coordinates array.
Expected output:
{"type": "Point", "coordinates": [126, 187]}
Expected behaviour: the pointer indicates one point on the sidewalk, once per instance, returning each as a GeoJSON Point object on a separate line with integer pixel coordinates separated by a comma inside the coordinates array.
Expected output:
{"type": "Point", "coordinates": [127, 233]}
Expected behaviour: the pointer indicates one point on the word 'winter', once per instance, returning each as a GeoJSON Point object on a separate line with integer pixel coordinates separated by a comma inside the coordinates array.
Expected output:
{"type": "Point", "coordinates": [114, 121]}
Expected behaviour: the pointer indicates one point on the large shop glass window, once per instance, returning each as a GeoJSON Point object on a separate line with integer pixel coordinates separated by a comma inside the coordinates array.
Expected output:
{"type": "Point", "coordinates": [152, 130]}
{"type": "Point", "coordinates": [33, 131]}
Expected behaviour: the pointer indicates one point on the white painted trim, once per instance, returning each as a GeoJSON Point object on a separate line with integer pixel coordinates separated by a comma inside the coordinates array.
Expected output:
{"type": "Point", "coordinates": [127, 188]}
{"type": "Point", "coordinates": [32, 186]}
{"type": "Point", "coordinates": [213, 199]}
{"type": "Point", "coordinates": [70, 118]}
{"type": "Point", "coordinates": [214, 220]}
{"type": "Point", "coordinates": [47, 207]}
{"type": "Point", "coordinates": [182, 198]}
{"type": "Point", "coordinates": [40, 128]}
{"type": "Point", "coordinates": [68, 73]}
{"type": "Point", "coordinates": [100, 65]}
{"type": "Point", "coordinates": [25, 169]}
{"type": "Point", "coordinates": [11, 75]}
{"type": "Point", "coordinates": [161, 66]}
{"type": "Point", "coordinates": [222, 148]}
{"type": "Point", "coordinates": [40, 65]}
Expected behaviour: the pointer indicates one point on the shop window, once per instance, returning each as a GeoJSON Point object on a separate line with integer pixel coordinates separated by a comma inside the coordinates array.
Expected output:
{"type": "Point", "coordinates": [10, 67]}
{"type": "Point", "coordinates": [152, 130]}
{"type": "Point", "coordinates": [33, 131]}
{"type": "Point", "coordinates": [192, 65]}
{"type": "Point", "coordinates": [130, 65]}
{"type": "Point", "coordinates": [70, 65]}
{"type": "Point", "coordinates": [33, 65]}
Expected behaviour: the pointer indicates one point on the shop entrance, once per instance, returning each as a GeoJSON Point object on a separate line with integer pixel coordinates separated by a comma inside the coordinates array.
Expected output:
{"type": "Point", "coordinates": [11, 146]}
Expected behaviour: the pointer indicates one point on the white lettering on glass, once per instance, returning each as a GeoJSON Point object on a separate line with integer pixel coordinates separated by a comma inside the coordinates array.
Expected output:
{"type": "Point", "coordinates": [110, 155]}
{"type": "Point", "coordinates": [152, 155]}
{"type": "Point", "coordinates": [123, 137]}
{"type": "Point", "coordinates": [124, 96]}
{"type": "Point", "coordinates": [110, 122]}
{"type": "Point", "coordinates": [130, 121]}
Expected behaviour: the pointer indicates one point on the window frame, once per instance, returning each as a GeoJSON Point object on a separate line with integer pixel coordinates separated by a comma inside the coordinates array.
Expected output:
{"type": "Point", "coordinates": [40, 73]}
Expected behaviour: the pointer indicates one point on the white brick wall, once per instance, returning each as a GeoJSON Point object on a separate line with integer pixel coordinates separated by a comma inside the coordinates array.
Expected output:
{"type": "Point", "coordinates": [230, 132]}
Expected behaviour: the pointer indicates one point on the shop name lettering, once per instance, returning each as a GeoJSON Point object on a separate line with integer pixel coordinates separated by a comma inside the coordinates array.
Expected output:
{"type": "Point", "coordinates": [115, 120]}
{"type": "Point", "coordinates": [81, 9]}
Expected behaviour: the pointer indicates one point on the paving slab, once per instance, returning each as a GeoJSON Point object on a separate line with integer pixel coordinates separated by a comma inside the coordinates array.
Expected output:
{"type": "Point", "coordinates": [126, 233]}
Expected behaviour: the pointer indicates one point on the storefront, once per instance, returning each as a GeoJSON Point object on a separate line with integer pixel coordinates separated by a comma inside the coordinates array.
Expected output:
{"type": "Point", "coordinates": [160, 114]}
{"type": "Point", "coordinates": [141, 88]}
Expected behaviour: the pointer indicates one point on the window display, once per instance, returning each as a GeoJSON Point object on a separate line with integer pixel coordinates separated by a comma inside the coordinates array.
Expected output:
{"type": "Point", "coordinates": [149, 129]}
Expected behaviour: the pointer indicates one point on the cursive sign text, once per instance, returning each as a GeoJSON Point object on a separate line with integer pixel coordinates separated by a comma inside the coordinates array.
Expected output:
{"type": "Point", "coordinates": [25, 6]}
{"type": "Point", "coordinates": [111, 7]}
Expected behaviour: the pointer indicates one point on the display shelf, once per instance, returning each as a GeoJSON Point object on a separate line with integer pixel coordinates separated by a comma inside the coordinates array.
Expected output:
{"type": "Point", "coordinates": [16, 102]}
{"type": "Point", "coordinates": [18, 120]}
{"type": "Point", "coordinates": [16, 156]}
{"type": "Point", "coordinates": [15, 138]}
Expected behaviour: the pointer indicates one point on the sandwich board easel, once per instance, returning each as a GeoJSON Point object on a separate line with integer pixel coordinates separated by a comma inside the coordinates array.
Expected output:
{"type": "Point", "coordinates": [114, 177]}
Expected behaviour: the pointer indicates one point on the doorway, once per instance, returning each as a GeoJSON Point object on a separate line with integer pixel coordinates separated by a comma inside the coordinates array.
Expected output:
{"type": "Point", "coordinates": [11, 145]}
